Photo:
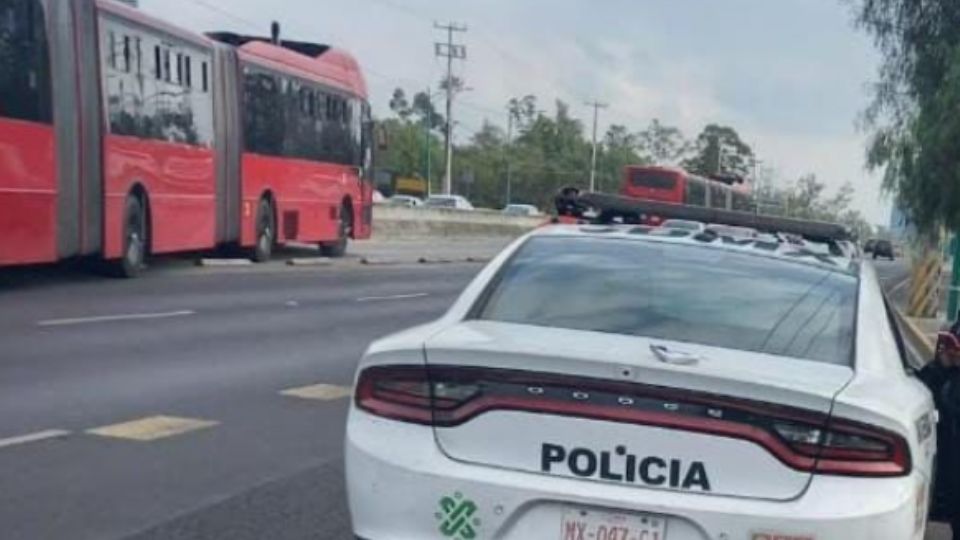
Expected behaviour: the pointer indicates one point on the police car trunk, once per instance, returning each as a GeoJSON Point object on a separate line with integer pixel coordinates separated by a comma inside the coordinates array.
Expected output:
{"type": "Point", "coordinates": [659, 363]}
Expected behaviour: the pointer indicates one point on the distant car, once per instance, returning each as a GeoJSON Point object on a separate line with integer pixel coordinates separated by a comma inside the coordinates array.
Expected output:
{"type": "Point", "coordinates": [456, 202]}
{"type": "Point", "coordinates": [684, 225]}
{"type": "Point", "coordinates": [851, 249]}
{"type": "Point", "coordinates": [869, 245]}
{"type": "Point", "coordinates": [408, 201]}
{"type": "Point", "coordinates": [883, 248]}
{"type": "Point", "coordinates": [521, 210]}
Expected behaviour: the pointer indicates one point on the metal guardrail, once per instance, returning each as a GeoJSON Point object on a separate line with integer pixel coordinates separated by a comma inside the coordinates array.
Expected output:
{"type": "Point", "coordinates": [925, 286]}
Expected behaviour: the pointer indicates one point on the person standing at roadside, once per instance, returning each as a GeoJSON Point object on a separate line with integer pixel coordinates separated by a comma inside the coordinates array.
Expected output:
{"type": "Point", "coordinates": [942, 377]}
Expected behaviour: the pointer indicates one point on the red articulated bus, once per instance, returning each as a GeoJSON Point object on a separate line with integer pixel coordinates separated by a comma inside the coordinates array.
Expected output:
{"type": "Point", "coordinates": [123, 136]}
{"type": "Point", "coordinates": [674, 185]}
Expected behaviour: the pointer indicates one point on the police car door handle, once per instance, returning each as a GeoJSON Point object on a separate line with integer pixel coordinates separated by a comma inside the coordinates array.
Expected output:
{"type": "Point", "coordinates": [677, 358]}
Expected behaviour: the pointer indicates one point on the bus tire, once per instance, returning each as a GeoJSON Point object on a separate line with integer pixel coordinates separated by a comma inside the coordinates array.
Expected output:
{"type": "Point", "coordinates": [133, 258]}
{"type": "Point", "coordinates": [338, 248]}
{"type": "Point", "coordinates": [266, 233]}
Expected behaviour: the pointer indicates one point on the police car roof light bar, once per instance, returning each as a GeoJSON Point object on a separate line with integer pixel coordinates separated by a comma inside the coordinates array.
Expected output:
{"type": "Point", "coordinates": [608, 207]}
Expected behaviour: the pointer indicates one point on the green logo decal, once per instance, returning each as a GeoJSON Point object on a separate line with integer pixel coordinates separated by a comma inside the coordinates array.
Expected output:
{"type": "Point", "coordinates": [457, 519]}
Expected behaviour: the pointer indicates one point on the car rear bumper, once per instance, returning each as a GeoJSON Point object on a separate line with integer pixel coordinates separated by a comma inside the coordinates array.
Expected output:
{"type": "Point", "coordinates": [397, 477]}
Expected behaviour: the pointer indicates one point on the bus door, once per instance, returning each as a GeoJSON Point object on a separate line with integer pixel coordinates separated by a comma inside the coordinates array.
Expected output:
{"type": "Point", "coordinates": [366, 175]}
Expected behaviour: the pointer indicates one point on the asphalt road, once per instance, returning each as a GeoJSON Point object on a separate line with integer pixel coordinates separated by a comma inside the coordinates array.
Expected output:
{"type": "Point", "coordinates": [215, 349]}
{"type": "Point", "coordinates": [186, 405]}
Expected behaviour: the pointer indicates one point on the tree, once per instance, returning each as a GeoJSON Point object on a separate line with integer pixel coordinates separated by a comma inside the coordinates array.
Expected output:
{"type": "Point", "coordinates": [617, 149]}
{"type": "Point", "coordinates": [409, 142]}
{"type": "Point", "coordinates": [523, 110]}
{"type": "Point", "coordinates": [805, 200]}
{"type": "Point", "coordinates": [399, 104]}
{"type": "Point", "coordinates": [404, 155]}
{"type": "Point", "coordinates": [664, 145]}
{"type": "Point", "coordinates": [425, 111]}
{"type": "Point", "coordinates": [915, 131]}
{"type": "Point", "coordinates": [719, 149]}
{"type": "Point", "coordinates": [481, 162]}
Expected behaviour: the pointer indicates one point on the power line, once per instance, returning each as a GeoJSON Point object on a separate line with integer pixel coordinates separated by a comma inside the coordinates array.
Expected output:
{"type": "Point", "coordinates": [492, 43]}
{"type": "Point", "coordinates": [229, 14]}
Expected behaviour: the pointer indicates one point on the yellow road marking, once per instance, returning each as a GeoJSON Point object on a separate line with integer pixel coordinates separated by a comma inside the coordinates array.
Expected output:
{"type": "Point", "coordinates": [151, 428]}
{"type": "Point", "coordinates": [324, 392]}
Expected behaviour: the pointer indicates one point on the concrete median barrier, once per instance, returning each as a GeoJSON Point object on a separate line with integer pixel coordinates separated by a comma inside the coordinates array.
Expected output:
{"type": "Point", "coordinates": [395, 222]}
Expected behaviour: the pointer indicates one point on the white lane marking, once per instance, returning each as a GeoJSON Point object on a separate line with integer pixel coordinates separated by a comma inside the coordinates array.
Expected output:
{"type": "Point", "coordinates": [392, 297]}
{"type": "Point", "coordinates": [33, 437]}
{"type": "Point", "coordinates": [114, 318]}
{"type": "Point", "coordinates": [898, 286]}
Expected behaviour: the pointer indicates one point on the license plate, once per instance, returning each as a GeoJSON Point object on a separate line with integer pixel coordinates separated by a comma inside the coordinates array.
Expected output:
{"type": "Point", "coordinates": [579, 524]}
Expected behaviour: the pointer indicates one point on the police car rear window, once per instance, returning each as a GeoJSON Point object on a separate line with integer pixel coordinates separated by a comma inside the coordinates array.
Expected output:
{"type": "Point", "coordinates": [678, 292]}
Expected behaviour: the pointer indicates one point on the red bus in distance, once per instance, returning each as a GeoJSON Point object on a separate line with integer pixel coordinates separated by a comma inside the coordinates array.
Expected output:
{"type": "Point", "coordinates": [123, 136]}
{"type": "Point", "coordinates": [677, 186]}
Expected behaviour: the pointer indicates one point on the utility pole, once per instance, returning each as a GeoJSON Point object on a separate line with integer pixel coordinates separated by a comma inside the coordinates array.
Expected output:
{"type": "Point", "coordinates": [593, 158]}
{"type": "Point", "coordinates": [450, 50]}
{"type": "Point", "coordinates": [757, 188]}
{"type": "Point", "coordinates": [506, 150]}
{"type": "Point", "coordinates": [428, 125]}
{"type": "Point", "coordinates": [719, 155]}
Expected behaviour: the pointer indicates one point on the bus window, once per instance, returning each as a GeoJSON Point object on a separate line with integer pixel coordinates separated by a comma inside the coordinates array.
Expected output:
{"type": "Point", "coordinates": [24, 62]}
{"type": "Point", "coordinates": [294, 118]}
{"type": "Point", "coordinates": [718, 195]}
{"type": "Point", "coordinates": [741, 202]}
{"type": "Point", "coordinates": [695, 192]}
{"type": "Point", "coordinates": [653, 180]}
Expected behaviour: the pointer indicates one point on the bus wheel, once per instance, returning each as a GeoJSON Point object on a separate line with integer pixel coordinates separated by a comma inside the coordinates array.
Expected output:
{"type": "Point", "coordinates": [338, 248]}
{"type": "Point", "coordinates": [131, 262]}
{"type": "Point", "coordinates": [266, 236]}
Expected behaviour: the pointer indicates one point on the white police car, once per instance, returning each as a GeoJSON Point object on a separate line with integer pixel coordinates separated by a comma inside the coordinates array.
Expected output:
{"type": "Point", "coordinates": [606, 383]}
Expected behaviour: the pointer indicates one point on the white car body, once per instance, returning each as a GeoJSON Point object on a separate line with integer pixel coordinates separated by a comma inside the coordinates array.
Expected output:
{"type": "Point", "coordinates": [522, 210]}
{"type": "Point", "coordinates": [690, 468]}
{"type": "Point", "coordinates": [455, 202]}
{"type": "Point", "coordinates": [408, 201]}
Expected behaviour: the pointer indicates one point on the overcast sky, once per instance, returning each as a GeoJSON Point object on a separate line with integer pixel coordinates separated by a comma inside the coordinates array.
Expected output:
{"type": "Point", "coordinates": [790, 75]}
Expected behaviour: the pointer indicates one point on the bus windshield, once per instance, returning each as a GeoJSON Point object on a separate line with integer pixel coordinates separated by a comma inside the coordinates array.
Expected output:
{"type": "Point", "coordinates": [653, 179]}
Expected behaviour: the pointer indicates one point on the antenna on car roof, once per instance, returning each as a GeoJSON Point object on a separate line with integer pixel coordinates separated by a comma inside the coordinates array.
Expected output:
{"type": "Point", "coordinates": [275, 33]}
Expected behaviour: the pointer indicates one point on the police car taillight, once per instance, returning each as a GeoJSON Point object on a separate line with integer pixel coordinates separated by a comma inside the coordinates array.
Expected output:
{"type": "Point", "coordinates": [848, 448]}
{"type": "Point", "coordinates": [809, 441]}
{"type": "Point", "coordinates": [409, 394]}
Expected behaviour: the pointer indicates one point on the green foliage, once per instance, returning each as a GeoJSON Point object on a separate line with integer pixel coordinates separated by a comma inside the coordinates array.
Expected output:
{"type": "Point", "coordinates": [805, 199]}
{"type": "Point", "coordinates": [719, 149]}
{"type": "Point", "coordinates": [550, 151]}
{"type": "Point", "coordinates": [663, 145]}
{"type": "Point", "coordinates": [913, 115]}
